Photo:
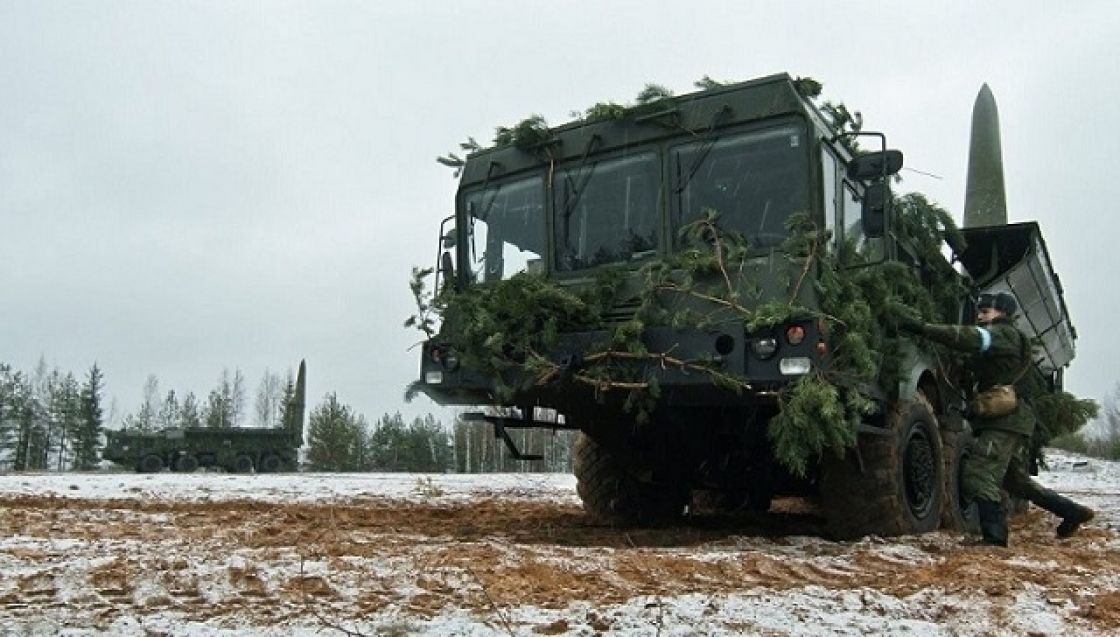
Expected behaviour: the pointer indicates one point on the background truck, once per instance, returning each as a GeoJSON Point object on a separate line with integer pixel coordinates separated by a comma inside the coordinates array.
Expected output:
{"type": "Point", "coordinates": [703, 286]}
{"type": "Point", "coordinates": [237, 450]}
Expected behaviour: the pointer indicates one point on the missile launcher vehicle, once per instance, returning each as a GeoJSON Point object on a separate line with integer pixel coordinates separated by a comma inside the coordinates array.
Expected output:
{"type": "Point", "coordinates": [234, 449]}
{"type": "Point", "coordinates": [617, 198]}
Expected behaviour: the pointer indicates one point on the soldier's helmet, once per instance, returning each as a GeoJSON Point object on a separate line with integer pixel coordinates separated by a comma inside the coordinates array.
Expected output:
{"type": "Point", "coordinates": [1001, 301]}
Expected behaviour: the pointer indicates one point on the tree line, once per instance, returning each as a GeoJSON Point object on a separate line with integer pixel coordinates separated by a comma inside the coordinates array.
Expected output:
{"type": "Point", "coordinates": [1100, 439]}
{"type": "Point", "coordinates": [52, 420]}
{"type": "Point", "coordinates": [225, 406]}
{"type": "Point", "coordinates": [338, 439]}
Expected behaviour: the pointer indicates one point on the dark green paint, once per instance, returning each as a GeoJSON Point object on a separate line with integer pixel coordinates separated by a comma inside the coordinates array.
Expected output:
{"type": "Point", "coordinates": [232, 449]}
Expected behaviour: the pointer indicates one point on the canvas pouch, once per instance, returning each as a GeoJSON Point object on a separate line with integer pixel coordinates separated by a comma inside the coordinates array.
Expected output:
{"type": "Point", "coordinates": [999, 400]}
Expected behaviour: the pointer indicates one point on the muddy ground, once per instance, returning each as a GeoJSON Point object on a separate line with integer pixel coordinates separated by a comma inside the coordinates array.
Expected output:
{"type": "Point", "coordinates": [375, 565]}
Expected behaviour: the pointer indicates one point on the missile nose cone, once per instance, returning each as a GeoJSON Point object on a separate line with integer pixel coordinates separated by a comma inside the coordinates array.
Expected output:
{"type": "Point", "coordinates": [985, 202]}
{"type": "Point", "coordinates": [985, 106]}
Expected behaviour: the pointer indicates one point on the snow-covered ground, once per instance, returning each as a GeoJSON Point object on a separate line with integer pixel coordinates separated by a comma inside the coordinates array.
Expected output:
{"type": "Point", "coordinates": [399, 554]}
{"type": "Point", "coordinates": [317, 488]}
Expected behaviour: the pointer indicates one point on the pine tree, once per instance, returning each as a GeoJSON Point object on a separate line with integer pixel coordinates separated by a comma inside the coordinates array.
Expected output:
{"type": "Point", "coordinates": [422, 446]}
{"type": "Point", "coordinates": [169, 412]}
{"type": "Point", "coordinates": [189, 417]}
{"type": "Point", "coordinates": [362, 448]}
{"type": "Point", "coordinates": [334, 436]}
{"type": "Point", "coordinates": [429, 446]}
{"type": "Point", "coordinates": [217, 410]}
{"type": "Point", "coordinates": [87, 441]}
{"type": "Point", "coordinates": [9, 426]}
{"type": "Point", "coordinates": [26, 411]}
{"type": "Point", "coordinates": [64, 412]}
{"type": "Point", "coordinates": [387, 443]}
{"type": "Point", "coordinates": [287, 398]}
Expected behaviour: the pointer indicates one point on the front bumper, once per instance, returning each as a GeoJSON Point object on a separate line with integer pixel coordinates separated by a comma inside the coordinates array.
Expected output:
{"type": "Point", "coordinates": [678, 362]}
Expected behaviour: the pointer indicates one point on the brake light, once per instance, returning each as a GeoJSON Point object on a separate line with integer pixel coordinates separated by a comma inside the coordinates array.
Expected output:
{"type": "Point", "coordinates": [795, 334]}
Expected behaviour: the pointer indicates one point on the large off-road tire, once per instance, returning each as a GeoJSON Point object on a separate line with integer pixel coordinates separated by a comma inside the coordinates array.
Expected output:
{"type": "Point", "coordinates": [271, 463]}
{"type": "Point", "coordinates": [186, 463]}
{"type": "Point", "coordinates": [613, 494]}
{"type": "Point", "coordinates": [242, 464]}
{"type": "Point", "coordinates": [900, 487]}
{"type": "Point", "coordinates": [150, 463]}
{"type": "Point", "coordinates": [957, 513]}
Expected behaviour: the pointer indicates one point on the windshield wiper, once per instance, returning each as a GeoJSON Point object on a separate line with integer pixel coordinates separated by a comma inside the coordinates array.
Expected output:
{"type": "Point", "coordinates": [577, 191]}
{"type": "Point", "coordinates": [708, 141]}
{"type": "Point", "coordinates": [701, 155]}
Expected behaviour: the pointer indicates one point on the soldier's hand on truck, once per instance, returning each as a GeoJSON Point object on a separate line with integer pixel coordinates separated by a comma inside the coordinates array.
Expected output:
{"type": "Point", "coordinates": [907, 323]}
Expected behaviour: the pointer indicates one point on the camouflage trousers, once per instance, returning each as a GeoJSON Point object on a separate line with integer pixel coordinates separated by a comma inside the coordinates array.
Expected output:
{"type": "Point", "coordinates": [997, 459]}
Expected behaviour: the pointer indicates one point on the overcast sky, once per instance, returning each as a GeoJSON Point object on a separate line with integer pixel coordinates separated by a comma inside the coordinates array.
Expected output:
{"type": "Point", "coordinates": [192, 186]}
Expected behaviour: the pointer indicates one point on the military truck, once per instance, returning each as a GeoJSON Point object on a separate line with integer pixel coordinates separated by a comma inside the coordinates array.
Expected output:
{"type": "Point", "coordinates": [237, 450]}
{"type": "Point", "coordinates": [618, 193]}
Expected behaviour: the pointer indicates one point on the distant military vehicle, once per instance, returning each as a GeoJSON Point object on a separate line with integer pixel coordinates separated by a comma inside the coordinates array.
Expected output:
{"type": "Point", "coordinates": [237, 450]}
{"type": "Point", "coordinates": [616, 192]}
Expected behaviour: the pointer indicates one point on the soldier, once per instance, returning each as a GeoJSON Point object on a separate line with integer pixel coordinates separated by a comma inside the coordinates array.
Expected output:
{"type": "Point", "coordinates": [1001, 443]}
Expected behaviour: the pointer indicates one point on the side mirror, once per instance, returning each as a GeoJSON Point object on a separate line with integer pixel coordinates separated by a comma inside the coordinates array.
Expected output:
{"type": "Point", "coordinates": [448, 239]}
{"type": "Point", "coordinates": [874, 213]}
{"type": "Point", "coordinates": [447, 269]}
{"type": "Point", "coordinates": [875, 165]}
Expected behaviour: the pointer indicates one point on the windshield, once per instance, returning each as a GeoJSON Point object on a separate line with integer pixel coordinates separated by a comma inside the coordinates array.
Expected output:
{"type": "Point", "coordinates": [606, 211]}
{"type": "Point", "coordinates": [753, 181]}
{"type": "Point", "coordinates": [505, 233]}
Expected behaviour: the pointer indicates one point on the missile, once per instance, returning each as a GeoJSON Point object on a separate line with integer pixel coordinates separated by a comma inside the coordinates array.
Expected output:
{"type": "Point", "coordinates": [297, 403]}
{"type": "Point", "coordinates": [985, 203]}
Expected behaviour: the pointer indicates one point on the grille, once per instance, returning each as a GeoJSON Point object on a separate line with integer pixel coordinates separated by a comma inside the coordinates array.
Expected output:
{"type": "Point", "coordinates": [622, 312]}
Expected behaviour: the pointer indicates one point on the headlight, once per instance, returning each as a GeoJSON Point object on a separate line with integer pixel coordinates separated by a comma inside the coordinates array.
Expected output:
{"type": "Point", "coordinates": [764, 348]}
{"type": "Point", "coordinates": [433, 378]}
{"type": "Point", "coordinates": [797, 366]}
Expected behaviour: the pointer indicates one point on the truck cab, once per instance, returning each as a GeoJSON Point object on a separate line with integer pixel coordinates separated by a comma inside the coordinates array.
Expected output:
{"type": "Point", "coordinates": [620, 194]}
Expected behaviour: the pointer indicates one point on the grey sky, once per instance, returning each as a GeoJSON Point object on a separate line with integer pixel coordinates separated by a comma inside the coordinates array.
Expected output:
{"type": "Point", "coordinates": [187, 186]}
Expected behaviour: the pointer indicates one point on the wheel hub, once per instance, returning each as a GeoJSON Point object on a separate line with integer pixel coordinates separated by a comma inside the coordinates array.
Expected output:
{"type": "Point", "coordinates": [919, 473]}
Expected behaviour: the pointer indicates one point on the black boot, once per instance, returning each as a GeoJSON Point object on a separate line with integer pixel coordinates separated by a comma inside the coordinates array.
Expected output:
{"type": "Point", "coordinates": [1073, 514]}
{"type": "Point", "coordinates": [1072, 522]}
{"type": "Point", "coordinates": [993, 522]}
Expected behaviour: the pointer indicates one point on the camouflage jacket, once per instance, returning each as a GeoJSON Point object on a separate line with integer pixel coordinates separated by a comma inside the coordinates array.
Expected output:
{"type": "Point", "coordinates": [999, 352]}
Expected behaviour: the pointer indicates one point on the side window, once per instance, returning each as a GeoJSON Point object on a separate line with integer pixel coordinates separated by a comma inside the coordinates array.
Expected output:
{"type": "Point", "coordinates": [828, 190]}
{"type": "Point", "coordinates": [852, 221]}
{"type": "Point", "coordinates": [852, 216]}
{"type": "Point", "coordinates": [506, 231]}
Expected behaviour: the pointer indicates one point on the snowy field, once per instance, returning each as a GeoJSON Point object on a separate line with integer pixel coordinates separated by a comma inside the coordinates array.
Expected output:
{"type": "Point", "coordinates": [401, 554]}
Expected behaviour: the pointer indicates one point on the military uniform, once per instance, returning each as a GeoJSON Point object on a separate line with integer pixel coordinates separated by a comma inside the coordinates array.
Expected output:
{"type": "Point", "coordinates": [1000, 447]}
{"type": "Point", "coordinates": [1000, 353]}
